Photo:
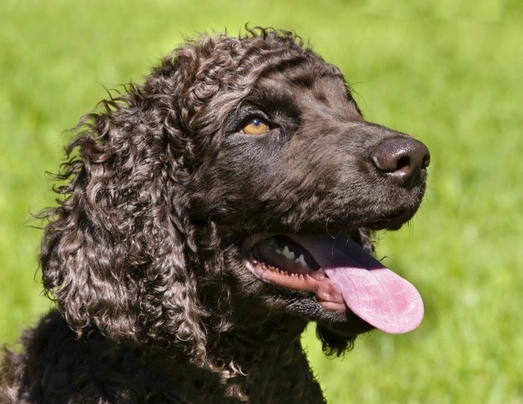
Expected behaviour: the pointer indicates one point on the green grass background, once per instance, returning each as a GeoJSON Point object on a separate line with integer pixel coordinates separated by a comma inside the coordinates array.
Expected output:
{"type": "Point", "coordinates": [449, 72]}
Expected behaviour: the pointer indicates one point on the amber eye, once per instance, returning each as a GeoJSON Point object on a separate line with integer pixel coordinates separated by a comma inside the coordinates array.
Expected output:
{"type": "Point", "coordinates": [255, 126]}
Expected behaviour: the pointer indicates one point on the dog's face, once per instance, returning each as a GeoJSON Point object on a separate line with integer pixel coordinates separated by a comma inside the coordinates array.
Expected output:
{"type": "Point", "coordinates": [297, 175]}
{"type": "Point", "coordinates": [239, 180]}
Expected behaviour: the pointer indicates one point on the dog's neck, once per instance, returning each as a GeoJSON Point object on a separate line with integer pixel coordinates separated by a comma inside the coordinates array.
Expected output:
{"type": "Point", "coordinates": [257, 352]}
{"type": "Point", "coordinates": [243, 364]}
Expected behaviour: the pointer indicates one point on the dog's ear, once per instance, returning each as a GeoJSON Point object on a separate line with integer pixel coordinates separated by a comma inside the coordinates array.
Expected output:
{"type": "Point", "coordinates": [112, 254]}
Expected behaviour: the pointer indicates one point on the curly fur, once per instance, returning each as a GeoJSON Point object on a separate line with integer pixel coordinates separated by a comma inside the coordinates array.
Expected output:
{"type": "Point", "coordinates": [143, 253]}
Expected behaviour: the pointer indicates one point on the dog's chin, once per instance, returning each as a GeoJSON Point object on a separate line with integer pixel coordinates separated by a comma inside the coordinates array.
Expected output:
{"type": "Point", "coordinates": [340, 321]}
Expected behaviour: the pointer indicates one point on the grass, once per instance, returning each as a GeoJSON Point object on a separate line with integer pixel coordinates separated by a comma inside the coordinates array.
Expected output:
{"type": "Point", "coordinates": [448, 72]}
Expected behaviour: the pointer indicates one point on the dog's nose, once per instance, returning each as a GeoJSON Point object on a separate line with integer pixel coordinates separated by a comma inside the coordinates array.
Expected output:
{"type": "Point", "coordinates": [404, 160]}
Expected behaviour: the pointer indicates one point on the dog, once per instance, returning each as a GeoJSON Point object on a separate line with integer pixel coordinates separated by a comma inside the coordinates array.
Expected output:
{"type": "Point", "coordinates": [205, 217]}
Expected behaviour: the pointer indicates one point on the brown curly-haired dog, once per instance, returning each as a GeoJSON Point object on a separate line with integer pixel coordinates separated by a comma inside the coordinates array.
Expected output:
{"type": "Point", "coordinates": [206, 217]}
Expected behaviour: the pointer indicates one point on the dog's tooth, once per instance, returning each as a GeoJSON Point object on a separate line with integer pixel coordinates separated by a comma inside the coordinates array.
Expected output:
{"type": "Point", "coordinates": [301, 260]}
{"type": "Point", "coordinates": [288, 253]}
{"type": "Point", "coordinates": [278, 251]}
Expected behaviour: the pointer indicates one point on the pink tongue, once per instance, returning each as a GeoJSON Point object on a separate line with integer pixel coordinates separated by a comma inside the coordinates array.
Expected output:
{"type": "Point", "coordinates": [372, 292]}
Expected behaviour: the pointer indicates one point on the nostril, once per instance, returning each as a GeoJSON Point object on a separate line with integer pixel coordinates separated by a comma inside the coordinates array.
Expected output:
{"type": "Point", "coordinates": [403, 160]}
{"type": "Point", "coordinates": [426, 160]}
{"type": "Point", "coordinates": [403, 163]}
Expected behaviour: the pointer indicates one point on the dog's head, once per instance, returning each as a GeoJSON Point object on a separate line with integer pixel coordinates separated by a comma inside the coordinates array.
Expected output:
{"type": "Point", "coordinates": [241, 172]}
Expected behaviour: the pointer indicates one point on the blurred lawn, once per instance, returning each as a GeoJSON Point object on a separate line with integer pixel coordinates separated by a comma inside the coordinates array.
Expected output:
{"type": "Point", "coordinates": [448, 72]}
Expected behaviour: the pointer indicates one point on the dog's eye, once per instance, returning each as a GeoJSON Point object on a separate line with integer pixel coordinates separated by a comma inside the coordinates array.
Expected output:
{"type": "Point", "coordinates": [255, 126]}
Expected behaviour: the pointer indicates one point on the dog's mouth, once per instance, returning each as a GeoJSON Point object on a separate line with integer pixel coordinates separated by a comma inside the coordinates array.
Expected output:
{"type": "Point", "coordinates": [340, 274]}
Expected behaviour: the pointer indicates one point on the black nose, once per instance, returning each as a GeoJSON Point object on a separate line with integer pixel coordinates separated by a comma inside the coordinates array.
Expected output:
{"type": "Point", "coordinates": [403, 160]}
